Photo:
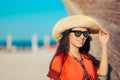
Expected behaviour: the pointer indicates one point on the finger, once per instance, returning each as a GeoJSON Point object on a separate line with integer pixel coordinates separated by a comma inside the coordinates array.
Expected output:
{"type": "Point", "coordinates": [104, 31]}
{"type": "Point", "coordinates": [100, 33]}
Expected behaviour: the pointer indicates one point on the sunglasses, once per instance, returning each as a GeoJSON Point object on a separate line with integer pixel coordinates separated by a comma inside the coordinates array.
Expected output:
{"type": "Point", "coordinates": [78, 33]}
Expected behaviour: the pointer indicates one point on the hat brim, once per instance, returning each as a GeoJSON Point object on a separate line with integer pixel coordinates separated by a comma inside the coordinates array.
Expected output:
{"type": "Point", "coordinates": [76, 21]}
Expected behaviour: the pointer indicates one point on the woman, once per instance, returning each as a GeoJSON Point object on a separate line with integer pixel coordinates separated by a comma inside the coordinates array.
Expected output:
{"type": "Point", "coordinates": [72, 60]}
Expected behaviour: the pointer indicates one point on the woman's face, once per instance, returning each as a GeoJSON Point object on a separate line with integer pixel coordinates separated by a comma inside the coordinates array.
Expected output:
{"type": "Point", "coordinates": [78, 36]}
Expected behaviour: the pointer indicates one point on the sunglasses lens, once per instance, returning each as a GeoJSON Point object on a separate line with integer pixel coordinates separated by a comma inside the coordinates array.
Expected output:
{"type": "Point", "coordinates": [86, 34]}
{"type": "Point", "coordinates": [77, 33]}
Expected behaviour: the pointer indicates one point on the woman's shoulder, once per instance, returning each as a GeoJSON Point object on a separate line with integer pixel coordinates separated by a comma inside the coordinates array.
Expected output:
{"type": "Point", "coordinates": [92, 58]}
{"type": "Point", "coordinates": [86, 56]}
{"type": "Point", "coordinates": [57, 59]}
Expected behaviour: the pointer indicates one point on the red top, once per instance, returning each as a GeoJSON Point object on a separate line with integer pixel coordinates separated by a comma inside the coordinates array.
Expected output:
{"type": "Point", "coordinates": [71, 70]}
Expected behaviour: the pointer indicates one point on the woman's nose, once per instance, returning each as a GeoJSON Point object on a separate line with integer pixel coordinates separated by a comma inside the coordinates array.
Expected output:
{"type": "Point", "coordinates": [82, 36]}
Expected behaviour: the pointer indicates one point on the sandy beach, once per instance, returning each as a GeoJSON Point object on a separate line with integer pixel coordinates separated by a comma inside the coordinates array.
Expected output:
{"type": "Point", "coordinates": [25, 65]}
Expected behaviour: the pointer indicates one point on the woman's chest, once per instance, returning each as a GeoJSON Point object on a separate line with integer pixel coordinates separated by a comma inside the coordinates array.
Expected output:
{"type": "Point", "coordinates": [73, 70]}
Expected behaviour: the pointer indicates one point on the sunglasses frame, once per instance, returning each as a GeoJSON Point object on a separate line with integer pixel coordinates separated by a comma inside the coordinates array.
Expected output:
{"type": "Point", "coordinates": [78, 33]}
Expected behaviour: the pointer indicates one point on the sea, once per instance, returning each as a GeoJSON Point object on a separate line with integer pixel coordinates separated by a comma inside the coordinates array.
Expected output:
{"type": "Point", "coordinates": [24, 43]}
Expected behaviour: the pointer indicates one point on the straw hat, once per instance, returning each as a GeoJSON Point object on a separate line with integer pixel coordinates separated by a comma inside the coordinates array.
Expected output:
{"type": "Point", "coordinates": [75, 21]}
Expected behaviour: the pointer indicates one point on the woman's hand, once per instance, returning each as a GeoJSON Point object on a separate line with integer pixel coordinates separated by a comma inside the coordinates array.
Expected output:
{"type": "Point", "coordinates": [103, 36]}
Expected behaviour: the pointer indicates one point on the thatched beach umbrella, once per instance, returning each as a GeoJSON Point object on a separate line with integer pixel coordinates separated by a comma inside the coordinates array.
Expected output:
{"type": "Point", "coordinates": [106, 12]}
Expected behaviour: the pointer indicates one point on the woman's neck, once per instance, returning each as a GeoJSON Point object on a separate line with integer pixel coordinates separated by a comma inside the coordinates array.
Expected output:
{"type": "Point", "coordinates": [74, 51]}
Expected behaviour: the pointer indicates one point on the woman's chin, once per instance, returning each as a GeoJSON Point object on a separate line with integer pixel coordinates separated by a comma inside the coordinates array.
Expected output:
{"type": "Point", "coordinates": [79, 45]}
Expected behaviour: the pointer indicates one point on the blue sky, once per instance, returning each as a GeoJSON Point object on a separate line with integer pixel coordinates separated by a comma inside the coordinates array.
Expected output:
{"type": "Point", "coordinates": [23, 18]}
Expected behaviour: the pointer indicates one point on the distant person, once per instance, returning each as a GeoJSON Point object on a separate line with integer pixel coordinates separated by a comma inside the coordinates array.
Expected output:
{"type": "Point", "coordinates": [72, 60]}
